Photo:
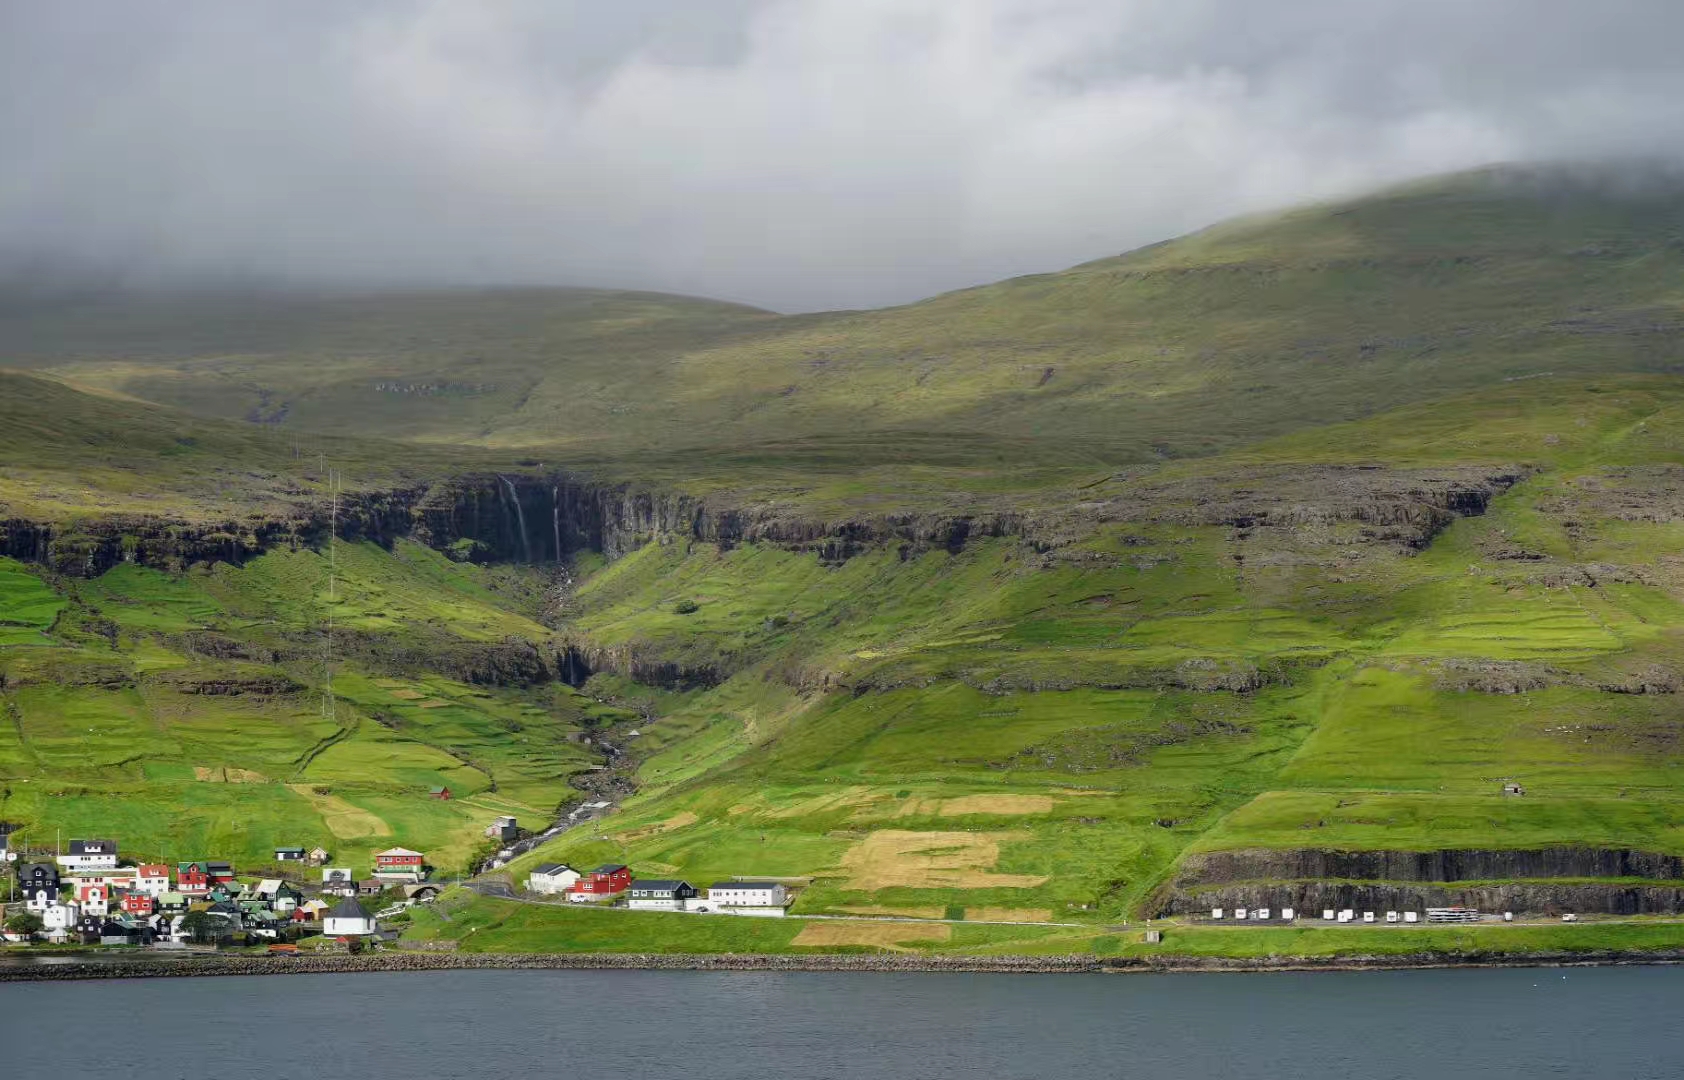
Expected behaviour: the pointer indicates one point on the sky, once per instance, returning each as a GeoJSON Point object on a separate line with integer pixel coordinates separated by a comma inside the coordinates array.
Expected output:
{"type": "Point", "coordinates": [796, 154]}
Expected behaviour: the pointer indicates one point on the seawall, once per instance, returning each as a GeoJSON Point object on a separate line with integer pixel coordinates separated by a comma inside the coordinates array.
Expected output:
{"type": "Point", "coordinates": [141, 967]}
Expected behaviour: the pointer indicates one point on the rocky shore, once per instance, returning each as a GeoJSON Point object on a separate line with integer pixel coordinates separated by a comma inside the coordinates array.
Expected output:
{"type": "Point", "coordinates": [143, 967]}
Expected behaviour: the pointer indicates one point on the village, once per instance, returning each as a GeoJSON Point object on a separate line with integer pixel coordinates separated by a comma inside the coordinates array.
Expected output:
{"type": "Point", "coordinates": [89, 894]}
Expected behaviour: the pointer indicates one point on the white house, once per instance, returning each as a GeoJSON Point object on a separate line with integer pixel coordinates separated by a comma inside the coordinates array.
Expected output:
{"type": "Point", "coordinates": [152, 879]}
{"type": "Point", "coordinates": [552, 878]}
{"type": "Point", "coordinates": [338, 881]}
{"type": "Point", "coordinates": [58, 919]}
{"type": "Point", "coordinates": [747, 894]}
{"type": "Point", "coordinates": [90, 855]}
{"type": "Point", "coordinates": [349, 919]}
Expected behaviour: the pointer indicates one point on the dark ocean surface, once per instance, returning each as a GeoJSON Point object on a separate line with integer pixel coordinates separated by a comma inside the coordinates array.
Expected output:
{"type": "Point", "coordinates": [1434, 1025]}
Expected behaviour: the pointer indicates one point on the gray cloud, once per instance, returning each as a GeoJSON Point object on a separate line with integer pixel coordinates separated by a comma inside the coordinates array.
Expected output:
{"type": "Point", "coordinates": [795, 153]}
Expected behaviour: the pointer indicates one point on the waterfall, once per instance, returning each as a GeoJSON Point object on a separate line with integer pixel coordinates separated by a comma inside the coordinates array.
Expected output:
{"type": "Point", "coordinates": [555, 518]}
{"type": "Point", "coordinates": [520, 512]}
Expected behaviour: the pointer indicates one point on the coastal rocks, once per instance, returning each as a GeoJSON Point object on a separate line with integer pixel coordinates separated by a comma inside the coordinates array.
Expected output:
{"type": "Point", "coordinates": [139, 966]}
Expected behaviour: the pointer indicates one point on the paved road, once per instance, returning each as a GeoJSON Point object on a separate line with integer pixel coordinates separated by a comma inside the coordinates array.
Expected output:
{"type": "Point", "coordinates": [504, 891]}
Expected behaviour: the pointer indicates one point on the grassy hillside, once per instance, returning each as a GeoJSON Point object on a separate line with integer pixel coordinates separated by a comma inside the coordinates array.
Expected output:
{"type": "Point", "coordinates": [66, 452]}
{"type": "Point", "coordinates": [1042, 734]}
{"type": "Point", "coordinates": [184, 715]}
{"type": "Point", "coordinates": [1245, 331]}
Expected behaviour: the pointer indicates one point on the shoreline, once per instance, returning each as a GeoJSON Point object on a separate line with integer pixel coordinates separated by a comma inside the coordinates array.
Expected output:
{"type": "Point", "coordinates": [1013, 965]}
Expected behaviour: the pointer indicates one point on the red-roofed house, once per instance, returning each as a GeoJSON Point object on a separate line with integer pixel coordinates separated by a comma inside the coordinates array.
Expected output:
{"type": "Point", "coordinates": [137, 904]}
{"type": "Point", "coordinates": [153, 879]}
{"type": "Point", "coordinates": [93, 898]}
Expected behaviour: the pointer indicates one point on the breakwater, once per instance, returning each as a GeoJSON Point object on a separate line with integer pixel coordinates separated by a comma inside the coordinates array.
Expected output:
{"type": "Point", "coordinates": [143, 967]}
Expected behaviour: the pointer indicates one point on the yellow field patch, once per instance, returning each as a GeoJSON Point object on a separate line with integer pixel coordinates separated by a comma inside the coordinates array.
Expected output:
{"type": "Point", "coordinates": [343, 820]}
{"type": "Point", "coordinates": [224, 775]}
{"type": "Point", "coordinates": [916, 807]}
{"type": "Point", "coordinates": [408, 695]}
{"type": "Point", "coordinates": [1008, 914]}
{"type": "Point", "coordinates": [997, 804]}
{"type": "Point", "coordinates": [931, 912]}
{"type": "Point", "coordinates": [893, 858]}
{"type": "Point", "coordinates": [887, 935]}
{"type": "Point", "coordinates": [677, 821]}
{"type": "Point", "coordinates": [432, 703]}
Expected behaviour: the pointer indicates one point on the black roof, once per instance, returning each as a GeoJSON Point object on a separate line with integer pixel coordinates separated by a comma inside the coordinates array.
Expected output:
{"type": "Point", "coordinates": [609, 868]}
{"type": "Point", "coordinates": [347, 908]}
{"type": "Point", "coordinates": [661, 885]}
{"type": "Point", "coordinates": [551, 867]}
{"type": "Point", "coordinates": [93, 847]}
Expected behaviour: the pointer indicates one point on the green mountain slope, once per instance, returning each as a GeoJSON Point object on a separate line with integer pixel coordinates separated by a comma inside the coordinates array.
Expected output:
{"type": "Point", "coordinates": [1323, 528]}
{"type": "Point", "coordinates": [1243, 331]}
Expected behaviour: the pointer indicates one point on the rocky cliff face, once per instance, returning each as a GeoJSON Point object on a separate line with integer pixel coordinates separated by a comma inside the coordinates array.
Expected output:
{"type": "Point", "coordinates": [515, 518]}
{"type": "Point", "coordinates": [1310, 898]}
{"type": "Point", "coordinates": [1222, 867]}
{"type": "Point", "coordinates": [1538, 880]}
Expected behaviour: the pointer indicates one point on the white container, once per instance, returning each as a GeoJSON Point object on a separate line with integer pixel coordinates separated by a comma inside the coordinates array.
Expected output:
{"type": "Point", "coordinates": [1216, 913]}
{"type": "Point", "coordinates": [1261, 913]}
{"type": "Point", "coordinates": [1347, 915]}
{"type": "Point", "coordinates": [1239, 913]}
{"type": "Point", "coordinates": [1391, 916]}
{"type": "Point", "coordinates": [1368, 916]}
{"type": "Point", "coordinates": [1329, 914]}
{"type": "Point", "coordinates": [1287, 914]}
{"type": "Point", "coordinates": [1411, 916]}
{"type": "Point", "coordinates": [1569, 918]}
{"type": "Point", "coordinates": [1508, 916]}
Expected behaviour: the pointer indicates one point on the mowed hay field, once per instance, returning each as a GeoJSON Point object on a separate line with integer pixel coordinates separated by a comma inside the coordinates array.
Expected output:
{"type": "Point", "coordinates": [940, 860]}
{"type": "Point", "coordinates": [886, 935]}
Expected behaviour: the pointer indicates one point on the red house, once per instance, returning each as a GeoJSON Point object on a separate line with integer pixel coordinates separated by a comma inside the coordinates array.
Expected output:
{"type": "Point", "coordinates": [400, 863]}
{"type": "Point", "coordinates": [603, 883]}
{"type": "Point", "coordinates": [439, 792]}
{"type": "Point", "coordinates": [137, 904]}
